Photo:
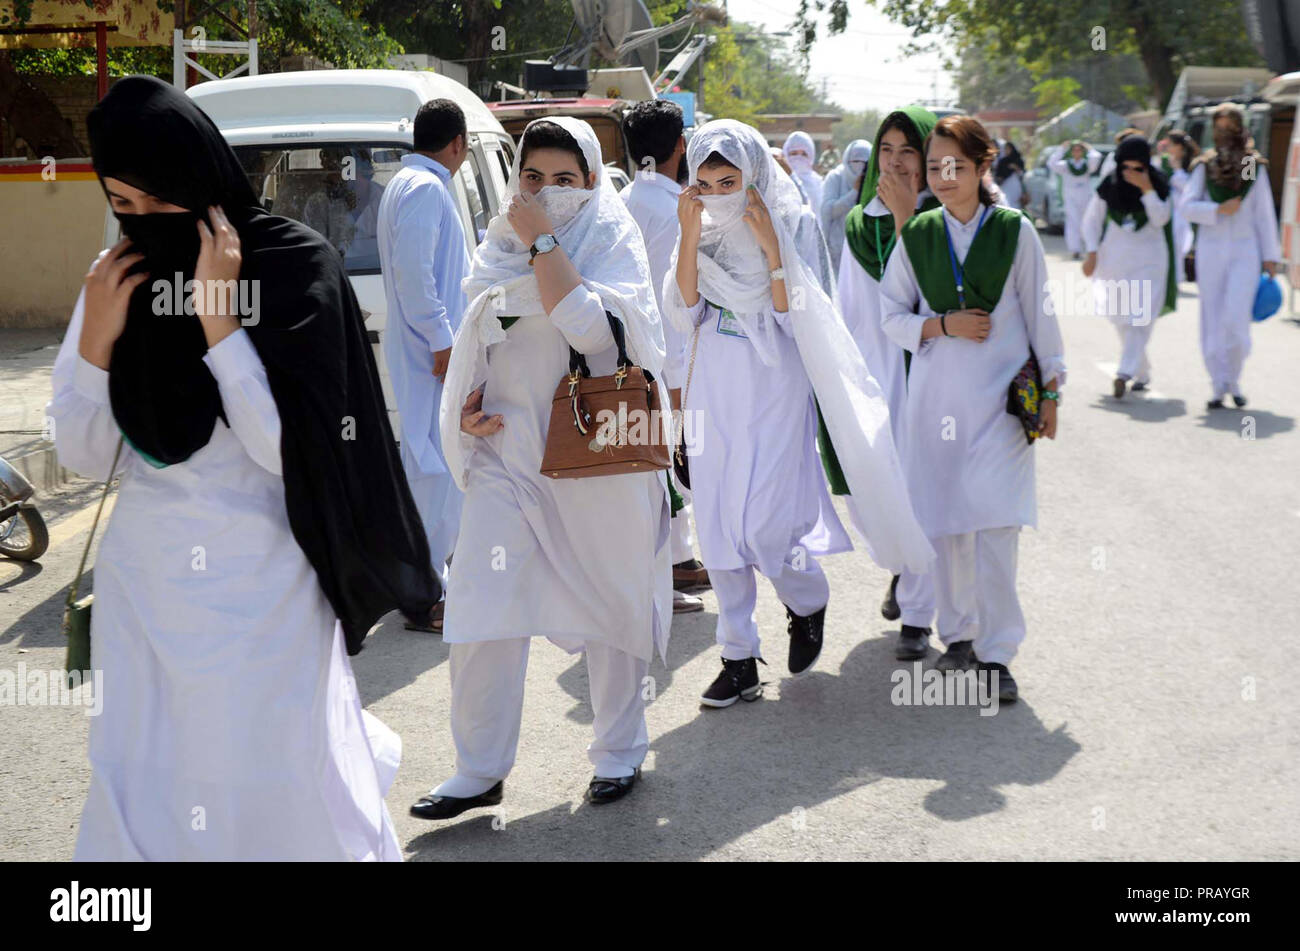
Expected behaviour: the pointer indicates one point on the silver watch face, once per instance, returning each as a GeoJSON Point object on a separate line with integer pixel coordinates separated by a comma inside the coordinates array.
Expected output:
{"type": "Point", "coordinates": [544, 243]}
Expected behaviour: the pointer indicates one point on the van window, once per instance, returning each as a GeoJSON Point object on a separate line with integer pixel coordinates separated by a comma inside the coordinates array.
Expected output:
{"type": "Point", "coordinates": [473, 178]}
{"type": "Point", "coordinates": [333, 189]}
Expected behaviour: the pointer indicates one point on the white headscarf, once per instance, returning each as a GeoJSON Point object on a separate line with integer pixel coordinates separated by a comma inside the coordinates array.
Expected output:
{"type": "Point", "coordinates": [859, 150]}
{"type": "Point", "coordinates": [734, 274]}
{"type": "Point", "coordinates": [804, 141]}
{"type": "Point", "coordinates": [600, 237]}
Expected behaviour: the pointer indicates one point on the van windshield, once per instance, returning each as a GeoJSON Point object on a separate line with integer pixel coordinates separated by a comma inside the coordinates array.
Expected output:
{"type": "Point", "coordinates": [333, 189]}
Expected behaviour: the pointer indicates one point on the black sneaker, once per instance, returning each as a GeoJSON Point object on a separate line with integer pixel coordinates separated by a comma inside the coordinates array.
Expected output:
{"type": "Point", "coordinates": [889, 607]}
{"type": "Point", "coordinates": [1140, 387]}
{"type": "Point", "coordinates": [1238, 400]}
{"type": "Point", "coordinates": [1216, 403]}
{"type": "Point", "coordinates": [913, 643]}
{"type": "Point", "coordinates": [1008, 691]}
{"type": "Point", "coordinates": [738, 681]}
{"type": "Point", "coordinates": [805, 639]}
{"type": "Point", "coordinates": [959, 656]}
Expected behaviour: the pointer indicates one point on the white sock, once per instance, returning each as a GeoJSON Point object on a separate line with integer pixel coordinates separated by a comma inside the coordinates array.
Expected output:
{"type": "Point", "coordinates": [463, 787]}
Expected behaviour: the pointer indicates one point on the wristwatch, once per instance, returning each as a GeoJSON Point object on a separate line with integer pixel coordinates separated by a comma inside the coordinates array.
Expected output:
{"type": "Point", "coordinates": [544, 243]}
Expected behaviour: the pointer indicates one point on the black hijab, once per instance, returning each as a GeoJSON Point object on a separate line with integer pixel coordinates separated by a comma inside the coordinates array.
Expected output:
{"type": "Point", "coordinates": [349, 505]}
{"type": "Point", "coordinates": [1008, 164]}
{"type": "Point", "coordinates": [1122, 198]}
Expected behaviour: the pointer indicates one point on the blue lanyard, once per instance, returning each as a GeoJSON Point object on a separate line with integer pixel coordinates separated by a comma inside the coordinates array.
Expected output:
{"type": "Point", "coordinates": [958, 270]}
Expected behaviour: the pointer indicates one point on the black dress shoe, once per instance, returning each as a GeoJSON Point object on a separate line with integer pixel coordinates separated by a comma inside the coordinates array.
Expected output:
{"type": "Point", "coordinates": [1214, 404]}
{"type": "Point", "coordinates": [448, 807]}
{"type": "Point", "coordinates": [601, 791]}
{"type": "Point", "coordinates": [913, 643]}
{"type": "Point", "coordinates": [1008, 690]}
{"type": "Point", "coordinates": [1238, 400]}
{"type": "Point", "coordinates": [805, 639]}
{"type": "Point", "coordinates": [960, 655]}
{"type": "Point", "coordinates": [1140, 387]}
{"type": "Point", "coordinates": [889, 609]}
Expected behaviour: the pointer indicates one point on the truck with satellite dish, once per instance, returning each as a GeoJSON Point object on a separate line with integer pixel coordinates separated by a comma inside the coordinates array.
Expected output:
{"type": "Point", "coordinates": [617, 31]}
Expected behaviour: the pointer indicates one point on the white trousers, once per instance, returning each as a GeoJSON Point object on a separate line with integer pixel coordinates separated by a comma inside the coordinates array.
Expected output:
{"type": "Point", "coordinates": [975, 589]}
{"type": "Point", "coordinates": [804, 590]}
{"type": "Point", "coordinates": [487, 704]}
{"type": "Point", "coordinates": [1227, 288]}
{"type": "Point", "coordinates": [438, 501]}
{"type": "Point", "coordinates": [915, 597]}
{"type": "Point", "coordinates": [1133, 340]}
{"type": "Point", "coordinates": [679, 528]}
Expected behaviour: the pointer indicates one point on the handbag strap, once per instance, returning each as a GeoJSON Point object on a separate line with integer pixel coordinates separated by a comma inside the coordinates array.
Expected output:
{"type": "Point", "coordinates": [686, 390]}
{"type": "Point", "coordinates": [578, 363]}
{"type": "Point", "coordinates": [76, 582]}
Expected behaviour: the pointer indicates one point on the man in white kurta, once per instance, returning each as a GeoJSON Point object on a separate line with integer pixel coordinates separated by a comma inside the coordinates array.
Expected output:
{"type": "Point", "coordinates": [422, 253]}
{"type": "Point", "coordinates": [651, 197]}
{"type": "Point", "coordinates": [1074, 170]}
{"type": "Point", "coordinates": [1231, 251]}
{"type": "Point", "coordinates": [1131, 278]}
{"type": "Point", "coordinates": [970, 468]}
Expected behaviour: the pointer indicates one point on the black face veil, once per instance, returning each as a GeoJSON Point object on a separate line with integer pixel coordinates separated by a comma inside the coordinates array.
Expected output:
{"type": "Point", "coordinates": [348, 502]}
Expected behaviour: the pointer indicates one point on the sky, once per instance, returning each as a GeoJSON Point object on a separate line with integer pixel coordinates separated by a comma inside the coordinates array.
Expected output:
{"type": "Point", "coordinates": [862, 67]}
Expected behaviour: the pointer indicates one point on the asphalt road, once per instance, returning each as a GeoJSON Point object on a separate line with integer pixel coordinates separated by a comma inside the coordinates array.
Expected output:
{"type": "Point", "coordinates": [1158, 718]}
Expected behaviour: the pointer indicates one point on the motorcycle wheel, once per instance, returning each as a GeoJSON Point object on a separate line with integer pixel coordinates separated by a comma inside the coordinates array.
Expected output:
{"type": "Point", "coordinates": [24, 537]}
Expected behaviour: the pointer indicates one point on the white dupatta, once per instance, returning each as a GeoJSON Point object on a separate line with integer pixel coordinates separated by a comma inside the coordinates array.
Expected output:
{"type": "Point", "coordinates": [606, 248]}
{"type": "Point", "coordinates": [733, 273]}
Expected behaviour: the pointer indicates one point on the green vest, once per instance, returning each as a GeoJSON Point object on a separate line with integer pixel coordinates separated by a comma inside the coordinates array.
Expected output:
{"type": "Point", "coordinates": [987, 264]}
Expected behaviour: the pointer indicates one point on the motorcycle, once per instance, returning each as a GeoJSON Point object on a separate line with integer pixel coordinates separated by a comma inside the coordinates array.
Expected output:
{"type": "Point", "coordinates": [23, 535]}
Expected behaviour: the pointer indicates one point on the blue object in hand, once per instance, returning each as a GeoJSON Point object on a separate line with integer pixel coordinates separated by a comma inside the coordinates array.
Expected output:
{"type": "Point", "coordinates": [1268, 298]}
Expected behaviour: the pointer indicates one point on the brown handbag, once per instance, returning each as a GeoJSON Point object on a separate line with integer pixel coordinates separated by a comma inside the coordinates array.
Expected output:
{"type": "Point", "coordinates": [605, 425]}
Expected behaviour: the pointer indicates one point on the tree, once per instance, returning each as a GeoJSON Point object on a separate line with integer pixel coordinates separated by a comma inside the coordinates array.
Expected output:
{"type": "Point", "coordinates": [1166, 35]}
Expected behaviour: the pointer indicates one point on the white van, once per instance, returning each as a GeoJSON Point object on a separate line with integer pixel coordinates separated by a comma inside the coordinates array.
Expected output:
{"type": "Point", "coordinates": [318, 145]}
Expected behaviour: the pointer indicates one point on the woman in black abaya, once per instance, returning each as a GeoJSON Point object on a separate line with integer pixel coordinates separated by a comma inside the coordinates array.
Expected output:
{"type": "Point", "coordinates": [262, 524]}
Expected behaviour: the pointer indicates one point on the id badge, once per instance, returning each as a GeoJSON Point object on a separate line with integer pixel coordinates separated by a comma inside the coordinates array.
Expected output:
{"type": "Point", "coordinates": [729, 325]}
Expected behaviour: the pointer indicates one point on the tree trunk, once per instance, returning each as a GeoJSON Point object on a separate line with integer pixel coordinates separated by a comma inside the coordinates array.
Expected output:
{"type": "Point", "coordinates": [1155, 53]}
{"type": "Point", "coordinates": [34, 117]}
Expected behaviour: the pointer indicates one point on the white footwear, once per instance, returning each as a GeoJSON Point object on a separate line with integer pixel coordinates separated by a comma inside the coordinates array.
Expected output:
{"type": "Point", "coordinates": [686, 604]}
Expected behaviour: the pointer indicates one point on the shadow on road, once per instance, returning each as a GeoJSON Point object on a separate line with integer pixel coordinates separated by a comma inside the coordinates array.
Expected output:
{"type": "Point", "coordinates": [692, 635]}
{"type": "Point", "coordinates": [394, 658]}
{"type": "Point", "coordinates": [1238, 421]}
{"type": "Point", "coordinates": [1142, 409]}
{"type": "Point", "coordinates": [728, 772]}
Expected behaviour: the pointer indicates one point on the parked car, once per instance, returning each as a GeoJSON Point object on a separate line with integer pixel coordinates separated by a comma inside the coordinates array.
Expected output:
{"type": "Point", "coordinates": [1043, 192]}
{"type": "Point", "coordinates": [318, 145]}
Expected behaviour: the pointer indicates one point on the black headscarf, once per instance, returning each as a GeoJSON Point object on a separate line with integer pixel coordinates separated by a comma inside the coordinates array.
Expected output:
{"type": "Point", "coordinates": [1008, 164]}
{"type": "Point", "coordinates": [349, 505]}
{"type": "Point", "coordinates": [1121, 197]}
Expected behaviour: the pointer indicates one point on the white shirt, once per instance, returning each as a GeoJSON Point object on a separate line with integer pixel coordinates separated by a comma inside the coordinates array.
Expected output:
{"type": "Point", "coordinates": [652, 200]}
{"type": "Point", "coordinates": [423, 258]}
{"type": "Point", "coordinates": [1251, 231]}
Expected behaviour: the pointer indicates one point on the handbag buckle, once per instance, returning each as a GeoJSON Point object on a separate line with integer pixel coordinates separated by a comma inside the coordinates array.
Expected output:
{"type": "Point", "coordinates": [619, 376]}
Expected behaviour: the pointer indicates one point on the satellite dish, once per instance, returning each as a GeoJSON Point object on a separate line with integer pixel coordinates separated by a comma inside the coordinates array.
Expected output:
{"type": "Point", "coordinates": [606, 24]}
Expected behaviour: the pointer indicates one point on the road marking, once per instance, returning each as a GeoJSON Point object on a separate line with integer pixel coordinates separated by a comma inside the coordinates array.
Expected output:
{"type": "Point", "coordinates": [61, 532]}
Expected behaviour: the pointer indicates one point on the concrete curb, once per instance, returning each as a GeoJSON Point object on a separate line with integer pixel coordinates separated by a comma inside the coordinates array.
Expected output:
{"type": "Point", "coordinates": [41, 468]}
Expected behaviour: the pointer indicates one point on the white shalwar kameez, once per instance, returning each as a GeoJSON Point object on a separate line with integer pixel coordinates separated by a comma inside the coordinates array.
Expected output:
{"type": "Point", "coordinates": [970, 468]}
{"type": "Point", "coordinates": [761, 499]}
{"type": "Point", "coordinates": [651, 198]}
{"type": "Point", "coordinates": [231, 727]}
{"type": "Point", "coordinates": [1075, 192]}
{"type": "Point", "coordinates": [860, 303]}
{"type": "Point", "coordinates": [840, 194]}
{"type": "Point", "coordinates": [1183, 234]}
{"type": "Point", "coordinates": [1230, 253]}
{"type": "Point", "coordinates": [583, 562]}
{"type": "Point", "coordinates": [1131, 276]}
{"type": "Point", "coordinates": [422, 251]}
